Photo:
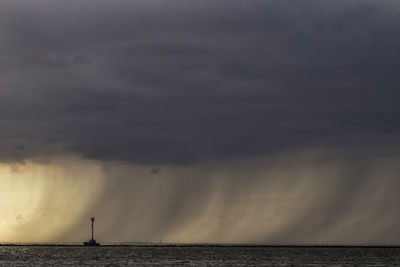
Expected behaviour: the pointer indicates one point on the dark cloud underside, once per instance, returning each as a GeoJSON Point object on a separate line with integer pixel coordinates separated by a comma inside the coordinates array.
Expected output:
{"type": "Point", "coordinates": [181, 81]}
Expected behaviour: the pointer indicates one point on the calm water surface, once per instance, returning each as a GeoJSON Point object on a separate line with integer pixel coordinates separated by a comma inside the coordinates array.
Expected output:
{"type": "Point", "coordinates": [197, 256]}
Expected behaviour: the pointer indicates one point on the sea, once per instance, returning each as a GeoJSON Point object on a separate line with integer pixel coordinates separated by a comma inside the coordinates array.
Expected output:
{"type": "Point", "coordinates": [165, 255]}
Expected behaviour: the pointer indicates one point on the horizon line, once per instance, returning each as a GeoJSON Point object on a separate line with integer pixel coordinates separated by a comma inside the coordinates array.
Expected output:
{"type": "Point", "coordinates": [194, 244]}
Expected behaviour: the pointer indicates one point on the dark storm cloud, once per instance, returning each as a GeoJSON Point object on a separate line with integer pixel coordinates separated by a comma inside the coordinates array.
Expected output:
{"type": "Point", "coordinates": [180, 81]}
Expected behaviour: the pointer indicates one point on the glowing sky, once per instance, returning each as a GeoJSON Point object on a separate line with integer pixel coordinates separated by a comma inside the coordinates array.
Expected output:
{"type": "Point", "coordinates": [200, 121]}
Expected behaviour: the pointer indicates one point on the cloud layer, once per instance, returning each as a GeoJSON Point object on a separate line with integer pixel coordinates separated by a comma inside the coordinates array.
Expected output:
{"type": "Point", "coordinates": [182, 81]}
{"type": "Point", "coordinates": [200, 121]}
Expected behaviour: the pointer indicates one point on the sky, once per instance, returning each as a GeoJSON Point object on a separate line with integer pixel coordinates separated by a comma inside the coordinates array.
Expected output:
{"type": "Point", "coordinates": [200, 121]}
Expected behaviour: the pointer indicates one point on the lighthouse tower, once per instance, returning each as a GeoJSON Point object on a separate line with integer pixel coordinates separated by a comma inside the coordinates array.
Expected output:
{"type": "Point", "coordinates": [92, 242]}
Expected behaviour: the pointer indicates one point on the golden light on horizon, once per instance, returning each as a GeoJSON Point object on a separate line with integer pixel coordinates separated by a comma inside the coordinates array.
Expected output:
{"type": "Point", "coordinates": [39, 201]}
{"type": "Point", "coordinates": [291, 198]}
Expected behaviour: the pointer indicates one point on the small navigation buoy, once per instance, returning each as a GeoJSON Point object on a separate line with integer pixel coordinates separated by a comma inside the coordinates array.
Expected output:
{"type": "Point", "coordinates": [92, 242]}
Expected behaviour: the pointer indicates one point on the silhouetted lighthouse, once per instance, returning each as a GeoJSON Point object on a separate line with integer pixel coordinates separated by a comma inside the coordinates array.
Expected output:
{"type": "Point", "coordinates": [92, 219]}
{"type": "Point", "coordinates": [92, 242]}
